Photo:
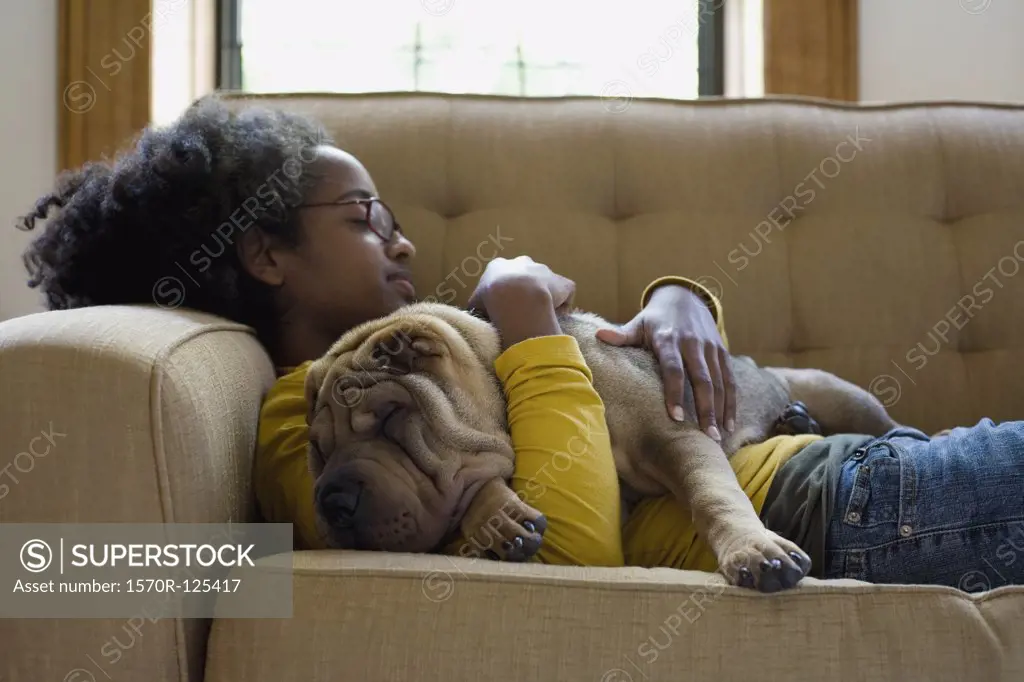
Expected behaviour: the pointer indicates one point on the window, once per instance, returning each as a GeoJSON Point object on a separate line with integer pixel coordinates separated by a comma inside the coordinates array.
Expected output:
{"type": "Point", "coordinates": [641, 48]}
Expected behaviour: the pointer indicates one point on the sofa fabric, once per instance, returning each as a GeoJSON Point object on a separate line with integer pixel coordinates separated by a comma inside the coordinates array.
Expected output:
{"type": "Point", "coordinates": [898, 214]}
{"type": "Point", "coordinates": [882, 243]}
{"type": "Point", "coordinates": [401, 617]}
{"type": "Point", "coordinates": [151, 416]}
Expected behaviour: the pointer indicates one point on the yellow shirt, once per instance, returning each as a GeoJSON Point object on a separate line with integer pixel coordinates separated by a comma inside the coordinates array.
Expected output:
{"type": "Point", "coordinates": [564, 466]}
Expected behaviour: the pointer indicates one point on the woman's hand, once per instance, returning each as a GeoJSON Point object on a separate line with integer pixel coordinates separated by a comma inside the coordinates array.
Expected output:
{"type": "Point", "coordinates": [678, 328]}
{"type": "Point", "coordinates": [521, 297]}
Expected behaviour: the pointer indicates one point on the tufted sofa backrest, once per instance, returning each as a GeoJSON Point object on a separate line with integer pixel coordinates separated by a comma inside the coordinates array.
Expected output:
{"type": "Point", "coordinates": [882, 243]}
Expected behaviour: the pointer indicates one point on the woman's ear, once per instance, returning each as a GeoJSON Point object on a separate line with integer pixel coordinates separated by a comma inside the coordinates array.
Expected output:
{"type": "Point", "coordinates": [261, 257]}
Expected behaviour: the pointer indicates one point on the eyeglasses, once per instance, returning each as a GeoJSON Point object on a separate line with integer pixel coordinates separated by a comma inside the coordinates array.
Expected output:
{"type": "Point", "coordinates": [379, 218]}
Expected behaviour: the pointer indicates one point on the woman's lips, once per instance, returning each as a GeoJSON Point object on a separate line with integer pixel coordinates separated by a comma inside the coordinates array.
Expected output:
{"type": "Point", "coordinates": [404, 285]}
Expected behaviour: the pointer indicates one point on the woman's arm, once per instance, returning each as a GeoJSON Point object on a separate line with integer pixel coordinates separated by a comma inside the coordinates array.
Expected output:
{"type": "Point", "coordinates": [564, 466]}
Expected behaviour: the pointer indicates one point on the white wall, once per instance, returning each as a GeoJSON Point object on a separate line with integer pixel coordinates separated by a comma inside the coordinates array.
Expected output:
{"type": "Point", "coordinates": [28, 135]}
{"type": "Point", "coordinates": [942, 49]}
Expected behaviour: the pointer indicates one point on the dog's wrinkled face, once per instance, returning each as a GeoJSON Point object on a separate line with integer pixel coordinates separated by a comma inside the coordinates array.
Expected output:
{"type": "Point", "coordinates": [407, 421]}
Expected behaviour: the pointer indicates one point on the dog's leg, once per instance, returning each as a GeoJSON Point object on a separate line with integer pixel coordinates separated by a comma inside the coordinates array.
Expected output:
{"type": "Point", "coordinates": [838, 405]}
{"type": "Point", "coordinates": [498, 521]}
{"type": "Point", "coordinates": [697, 472]}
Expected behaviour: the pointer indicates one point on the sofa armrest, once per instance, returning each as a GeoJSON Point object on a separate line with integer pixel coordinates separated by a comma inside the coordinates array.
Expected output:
{"type": "Point", "coordinates": [124, 414]}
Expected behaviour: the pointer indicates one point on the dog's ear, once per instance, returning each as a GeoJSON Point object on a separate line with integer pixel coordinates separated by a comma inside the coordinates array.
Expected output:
{"type": "Point", "coordinates": [321, 438]}
{"type": "Point", "coordinates": [315, 376]}
{"type": "Point", "coordinates": [321, 435]}
{"type": "Point", "coordinates": [399, 351]}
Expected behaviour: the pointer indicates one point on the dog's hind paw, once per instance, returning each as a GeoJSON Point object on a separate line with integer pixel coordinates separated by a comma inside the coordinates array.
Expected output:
{"type": "Point", "coordinates": [767, 563]}
{"type": "Point", "coordinates": [796, 420]}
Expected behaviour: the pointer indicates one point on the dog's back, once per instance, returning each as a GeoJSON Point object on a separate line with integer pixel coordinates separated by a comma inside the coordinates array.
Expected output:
{"type": "Point", "coordinates": [629, 382]}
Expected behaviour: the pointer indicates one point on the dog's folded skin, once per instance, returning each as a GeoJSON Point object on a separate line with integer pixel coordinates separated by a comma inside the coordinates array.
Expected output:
{"type": "Point", "coordinates": [398, 456]}
{"type": "Point", "coordinates": [409, 441]}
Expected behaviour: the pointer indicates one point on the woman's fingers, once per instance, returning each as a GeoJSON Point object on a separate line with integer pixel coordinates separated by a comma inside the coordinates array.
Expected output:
{"type": "Point", "coordinates": [679, 361]}
{"type": "Point", "coordinates": [476, 299]}
{"type": "Point", "coordinates": [703, 387]}
{"type": "Point", "coordinates": [562, 291]}
{"type": "Point", "coordinates": [629, 334]}
{"type": "Point", "coordinates": [717, 382]}
{"type": "Point", "coordinates": [730, 390]}
{"type": "Point", "coordinates": [522, 271]}
{"type": "Point", "coordinates": [673, 379]}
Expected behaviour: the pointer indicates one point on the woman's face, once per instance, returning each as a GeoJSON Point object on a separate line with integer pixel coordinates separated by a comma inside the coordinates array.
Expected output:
{"type": "Point", "coordinates": [341, 273]}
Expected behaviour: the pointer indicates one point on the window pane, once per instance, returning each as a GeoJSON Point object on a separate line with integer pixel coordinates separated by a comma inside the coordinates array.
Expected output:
{"type": "Point", "coordinates": [529, 47]}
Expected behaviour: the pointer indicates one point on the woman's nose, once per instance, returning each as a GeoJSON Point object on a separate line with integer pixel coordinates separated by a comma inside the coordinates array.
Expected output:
{"type": "Point", "coordinates": [401, 248]}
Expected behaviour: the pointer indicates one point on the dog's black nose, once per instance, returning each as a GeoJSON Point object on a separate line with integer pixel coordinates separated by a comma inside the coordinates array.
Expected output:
{"type": "Point", "coordinates": [339, 501]}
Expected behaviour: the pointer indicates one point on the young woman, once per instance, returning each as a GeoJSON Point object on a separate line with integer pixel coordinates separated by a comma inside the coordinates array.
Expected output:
{"type": "Point", "coordinates": [320, 253]}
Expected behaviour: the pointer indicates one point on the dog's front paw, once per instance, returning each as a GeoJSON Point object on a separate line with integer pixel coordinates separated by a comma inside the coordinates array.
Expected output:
{"type": "Point", "coordinates": [499, 525]}
{"type": "Point", "coordinates": [766, 562]}
{"type": "Point", "coordinates": [507, 539]}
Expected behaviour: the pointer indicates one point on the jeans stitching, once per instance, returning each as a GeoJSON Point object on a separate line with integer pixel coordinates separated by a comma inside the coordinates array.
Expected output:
{"type": "Point", "coordinates": [845, 563]}
{"type": "Point", "coordinates": [858, 495]}
{"type": "Point", "coordinates": [854, 565]}
{"type": "Point", "coordinates": [860, 491]}
{"type": "Point", "coordinates": [907, 503]}
{"type": "Point", "coordinates": [908, 489]}
{"type": "Point", "coordinates": [932, 532]}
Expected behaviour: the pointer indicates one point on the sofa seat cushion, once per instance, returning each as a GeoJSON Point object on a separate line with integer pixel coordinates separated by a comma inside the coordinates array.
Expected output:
{"type": "Point", "coordinates": [372, 616]}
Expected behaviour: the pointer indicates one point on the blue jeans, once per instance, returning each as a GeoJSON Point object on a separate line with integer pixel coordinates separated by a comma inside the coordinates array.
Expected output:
{"type": "Point", "coordinates": [943, 511]}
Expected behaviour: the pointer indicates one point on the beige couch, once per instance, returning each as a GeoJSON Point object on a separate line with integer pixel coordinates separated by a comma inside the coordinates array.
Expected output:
{"type": "Point", "coordinates": [915, 210]}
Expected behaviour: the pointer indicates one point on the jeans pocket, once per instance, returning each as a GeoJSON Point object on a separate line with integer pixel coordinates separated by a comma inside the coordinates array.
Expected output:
{"type": "Point", "coordinates": [874, 497]}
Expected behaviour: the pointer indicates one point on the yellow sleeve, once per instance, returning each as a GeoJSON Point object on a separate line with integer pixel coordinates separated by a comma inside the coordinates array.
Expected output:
{"type": "Point", "coordinates": [564, 466]}
{"type": "Point", "coordinates": [696, 287]}
{"type": "Point", "coordinates": [281, 476]}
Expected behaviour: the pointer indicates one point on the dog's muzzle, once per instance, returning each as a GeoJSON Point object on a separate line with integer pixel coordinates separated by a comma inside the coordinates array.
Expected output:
{"type": "Point", "coordinates": [339, 502]}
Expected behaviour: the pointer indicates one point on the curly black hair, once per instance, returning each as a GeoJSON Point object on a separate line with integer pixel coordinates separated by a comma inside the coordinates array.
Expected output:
{"type": "Point", "coordinates": [163, 215]}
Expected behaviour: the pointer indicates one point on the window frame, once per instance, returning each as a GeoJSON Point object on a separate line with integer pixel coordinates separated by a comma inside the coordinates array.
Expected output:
{"type": "Point", "coordinates": [710, 47]}
{"type": "Point", "coordinates": [229, 44]}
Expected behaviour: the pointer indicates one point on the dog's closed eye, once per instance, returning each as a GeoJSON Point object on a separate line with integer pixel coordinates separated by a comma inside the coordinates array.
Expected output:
{"type": "Point", "coordinates": [399, 355]}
